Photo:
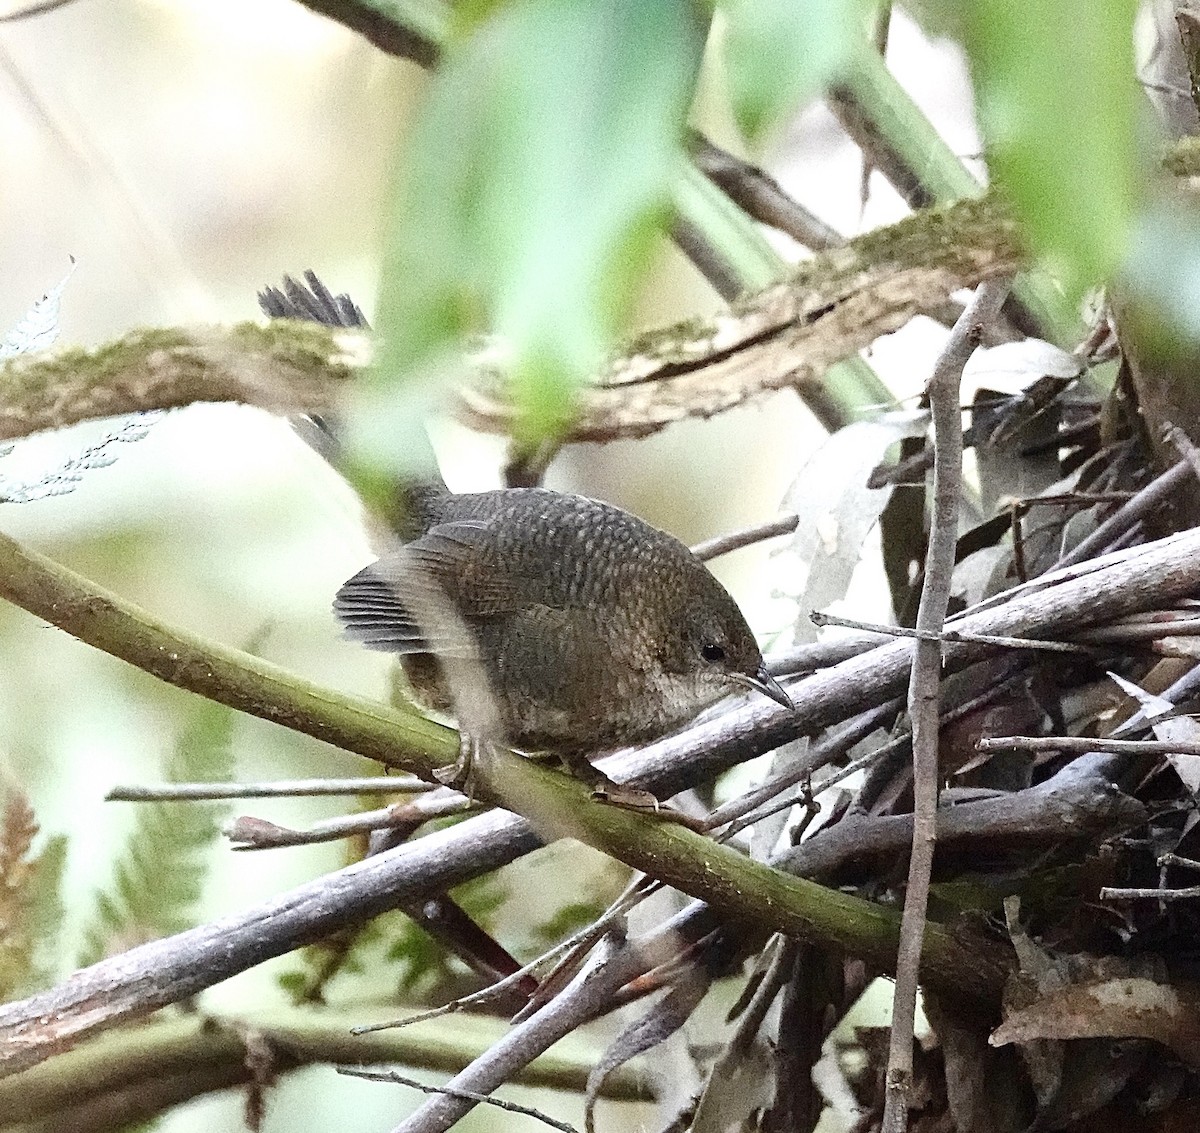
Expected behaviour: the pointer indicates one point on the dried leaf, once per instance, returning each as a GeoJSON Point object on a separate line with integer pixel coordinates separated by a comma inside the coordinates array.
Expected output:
{"type": "Point", "coordinates": [1131, 1007]}
{"type": "Point", "coordinates": [836, 510]}
{"type": "Point", "coordinates": [1170, 729]}
{"type": "Point", "coordinates": [655, 1026]}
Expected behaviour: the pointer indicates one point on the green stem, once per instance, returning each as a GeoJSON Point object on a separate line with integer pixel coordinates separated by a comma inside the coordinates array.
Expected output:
{"type": "Point", "coordinates": [974, 970]}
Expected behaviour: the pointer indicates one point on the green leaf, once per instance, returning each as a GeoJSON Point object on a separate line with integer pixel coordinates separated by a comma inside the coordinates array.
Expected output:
{"type": "Point", "coordinates": [1057, 101]}
{"type": "Point", "coordinates": [779, 52]}
{"type": "Point", "coordinates": [532, 187]}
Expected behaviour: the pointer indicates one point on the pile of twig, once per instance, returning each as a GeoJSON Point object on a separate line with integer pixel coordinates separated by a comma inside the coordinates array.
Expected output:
{"type": "Point", "coordinates": [1053, 765]}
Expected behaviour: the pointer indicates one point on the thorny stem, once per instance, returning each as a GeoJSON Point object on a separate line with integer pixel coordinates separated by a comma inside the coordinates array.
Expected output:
{"type": "Point", "coordinates": [925, 683]}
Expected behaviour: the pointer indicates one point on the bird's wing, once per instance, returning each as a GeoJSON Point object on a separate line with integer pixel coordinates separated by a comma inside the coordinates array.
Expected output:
{"type": "Point", "coordinates": [419, 598]}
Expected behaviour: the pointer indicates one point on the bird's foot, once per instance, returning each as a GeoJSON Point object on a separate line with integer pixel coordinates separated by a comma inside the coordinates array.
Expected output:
{"type": "Point", "coordinates": [605, 790]}
{"type": "Point", "coordinates": [460, 775]}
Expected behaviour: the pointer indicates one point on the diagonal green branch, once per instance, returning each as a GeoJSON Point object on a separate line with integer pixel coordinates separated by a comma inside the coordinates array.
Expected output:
{"type": "Point", "coordinates": [404, 740]}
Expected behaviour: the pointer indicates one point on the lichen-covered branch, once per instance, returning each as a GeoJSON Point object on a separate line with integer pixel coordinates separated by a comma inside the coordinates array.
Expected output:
{"type": "Point", "coordinates": [285, 367]}
{"type": "Point", "coordinates": [787, 335]}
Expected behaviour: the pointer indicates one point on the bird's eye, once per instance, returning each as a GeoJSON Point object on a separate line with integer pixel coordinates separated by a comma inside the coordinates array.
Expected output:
{"type": "Point", "coordinates": [712, 653]}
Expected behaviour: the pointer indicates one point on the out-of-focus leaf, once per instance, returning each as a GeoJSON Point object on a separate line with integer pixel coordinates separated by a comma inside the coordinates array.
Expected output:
{"type": "Point", "coordinates": [1057, 101]}
{"type": "Point", "coordinates": [1014, 366]}
{"type": "Point", "coordinates": [1164, 271]}
{"type": "Point", "coordinates": [779, 52]}
{"type": "Point", "coordinates": [532, 186]}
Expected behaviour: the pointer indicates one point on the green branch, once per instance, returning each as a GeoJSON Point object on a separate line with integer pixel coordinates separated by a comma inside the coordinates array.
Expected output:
{"type": "Point", "coordinates": [142, 1070]}
{"type": "Point", "coordinates": [401, 739]}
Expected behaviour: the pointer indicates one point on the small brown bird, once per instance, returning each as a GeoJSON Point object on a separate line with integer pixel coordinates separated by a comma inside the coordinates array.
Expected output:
{"type": "Point", "coordinates": [592, 628]}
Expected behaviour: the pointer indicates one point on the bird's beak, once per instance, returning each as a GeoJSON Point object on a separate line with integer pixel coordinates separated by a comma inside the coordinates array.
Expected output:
{"type": "Point", "coordinates": [763, 682]}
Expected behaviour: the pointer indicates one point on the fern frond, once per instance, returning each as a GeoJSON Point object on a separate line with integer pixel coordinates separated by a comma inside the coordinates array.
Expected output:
{"type": "Point", "coordinates": [30, 904]}
{"type": "Point", "coordinates": [159, 872]}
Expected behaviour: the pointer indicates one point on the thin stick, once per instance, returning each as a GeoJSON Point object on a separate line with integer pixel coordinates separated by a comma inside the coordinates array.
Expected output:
{"type": "Point", "coordinates": [249, 833]}
{"type": "Point", "coordinates": [1143, 631]}
{"type": "Point", "coordinates": [587, 996]}
{"type": "Point", "coordinates": [1107, 893]}
{"type": "Point", "coordinates": [1169, 859]}
{"type": "Point", "coordinates": [1183, 445]}
{"type": "Point", "coordinates": [736, 540]}
{"type": "Point", "coordinates": [758, 194]}
{"type": "Point", "coordinates": [820, 618]}
{"type": "Point", "coordinates": [637, 890]}
{"type": "Point", "coordinates": [279, 789]}
{"type": "Point", "coordinates": [925, 680]}
{"type": "Point", "coordinates": [1083, 744]}
{"type": "Point", "coordinates": [463, 1095]}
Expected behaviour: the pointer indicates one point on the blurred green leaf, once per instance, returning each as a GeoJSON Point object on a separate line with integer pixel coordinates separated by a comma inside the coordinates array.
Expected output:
{"type": "Point", "coordinates": [1164, 271]}
{"type": "Point", "coordinates": [1056, 91]}
{"type": "Point", "coordinates": [532, 186]}
{"type": "Point", "coordinates": [779, 52]}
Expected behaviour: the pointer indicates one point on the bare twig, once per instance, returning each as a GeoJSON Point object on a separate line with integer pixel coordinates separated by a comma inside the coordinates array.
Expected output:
{"type": "Point", "coordinates": [736, 540]}
{"type": "Point", "coordinates": [382, 24]}
{"type": "Point", "coordinates": [38, 8]}
{"type": "Point", "coordinates": [587, 996]}
{"type": "Point", "coordinates": [819, 617]}
{"type": "Point", "coordinates": [1147, 501]}
{"type": "Point", "coordinates": [1183, 445]}
{"type": "Point", "coordinates": [759, 195]}
{"type": "Point", "coordinates": [1069, 744]}
{"type": "Point", "coordinates": [281, 789]}
{"type": "Point", "coordinates": [460, 1095]}
{"type": "Point", "coordinates": [1079, 801]}
{"type": "Point", "coordinates": [248, 833]}
{"type": "Point", "coordinates": [925, 682]}
{"type": "Point", "coordinates": [1109, 893]}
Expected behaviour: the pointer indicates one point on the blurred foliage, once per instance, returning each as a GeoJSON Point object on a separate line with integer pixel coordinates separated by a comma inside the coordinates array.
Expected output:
{"type": "Point", "coordinates": [159, 872]}
{"type": "Point", "coordinates": [780, 52]}
{"type": "Point", "coordinates": [30, 901]}
{"type": "Point", "coordinates": [532, 188]}
{"type": "Point", "coordinates": [1058, 107]}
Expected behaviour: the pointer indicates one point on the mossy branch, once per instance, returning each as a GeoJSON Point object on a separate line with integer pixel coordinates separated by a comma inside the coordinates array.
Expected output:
{"type": "Point", "coordinates": [787, 335]}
